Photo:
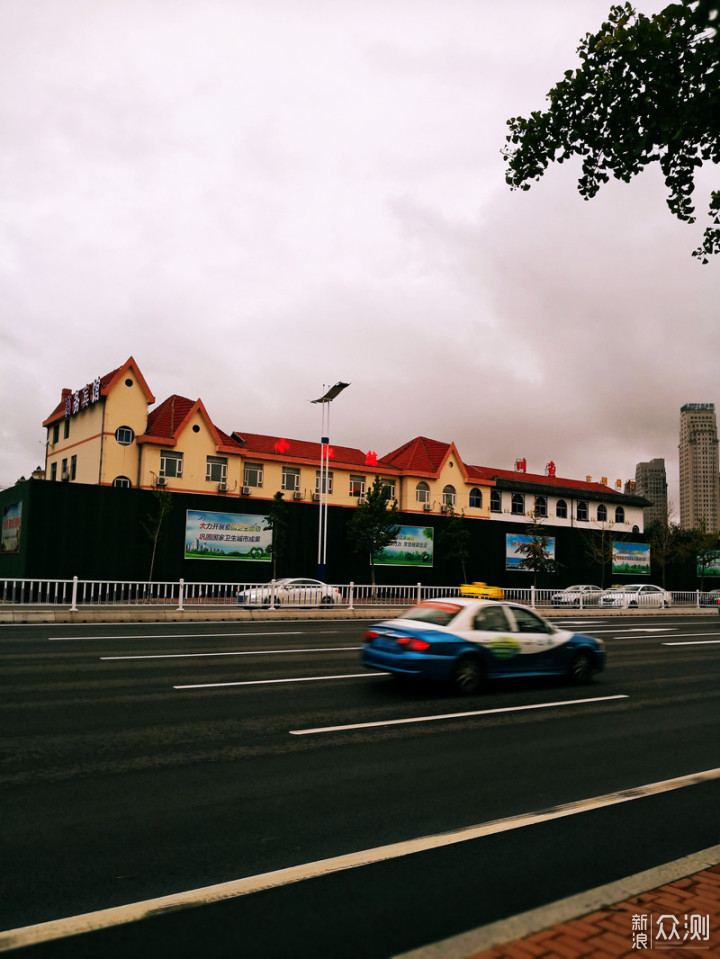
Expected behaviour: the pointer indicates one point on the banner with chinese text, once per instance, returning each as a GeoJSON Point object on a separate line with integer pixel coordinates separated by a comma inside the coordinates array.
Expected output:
{"type": "Point", "coordinates": [226, 536]}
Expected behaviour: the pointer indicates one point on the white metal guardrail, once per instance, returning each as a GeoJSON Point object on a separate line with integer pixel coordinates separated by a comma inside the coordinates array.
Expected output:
{"type": "Point", "coordinates": [78, 593]}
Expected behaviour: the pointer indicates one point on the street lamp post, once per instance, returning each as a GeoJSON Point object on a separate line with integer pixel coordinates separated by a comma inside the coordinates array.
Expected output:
{"type": "Point", "coordinates": [325, 401]}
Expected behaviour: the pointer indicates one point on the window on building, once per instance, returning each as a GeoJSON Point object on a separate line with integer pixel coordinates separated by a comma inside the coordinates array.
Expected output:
{"type": "Point", "coordinates": [65, 473]}
{"type": "Point", "coordinates": [357, 485]}
{"type": "Point", "coordinates": [53, 472]}
{"type": "Point", "coordinates": [253, 474]}
{"type": "Point", "coordinates": [124, 435]}
{"type": "Point", "coordinates": [122, 481]}
{"type": "Point", "coordinates": [582, 511]}
{"type": "Point", "coordinates": [328, 482]}
{"type": "Point", "coordinates": [55, 433]}
{"type": "Point", "coordinates": [518, 504]}
{"type": "Point", "coordinates": [495, 501]}
{"type": "Point", "coordinates": [73, 467]}
{"type": "Point", "coordinates": [602, 513]}
{"type": "Point", "coordinates": [541, 506]}
{"type": "Point", "coordinates": [561, 509]}
{"type": "Point", "coordinates": [290, 478]}
{"type": "Point", "coordinates": [448, 496]}
{"type": "Point", "coordinates": [170, 463]}
{"type": "Point", "coordinates": [422, 492]}
{"type": "Point", "coordinates": [389, 486]}
{"type": "Point", "coordinates": [216, 469]}
{"type": "Point", "coordinates": [476, 498]}
{"type": "Point", "coordinates": [619, 515]}
{"type": "Point", "coordinates": [66, 431]}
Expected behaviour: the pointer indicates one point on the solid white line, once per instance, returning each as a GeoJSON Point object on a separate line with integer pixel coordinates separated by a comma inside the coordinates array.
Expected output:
{"type": "Point", "coordinates": [245, 652]}
{"type": "Point", "coordinates": [270, 682]}
{"type": "Point", "coordinates": [278, 632]}
{"type": "Point", "coordinates": [430, 719]}
{"type": "Point", "coordinates": [118, 915]}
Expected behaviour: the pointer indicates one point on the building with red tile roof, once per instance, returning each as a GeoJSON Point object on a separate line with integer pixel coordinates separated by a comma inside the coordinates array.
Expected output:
{"type": "Point", "coordinates": [105, 433]}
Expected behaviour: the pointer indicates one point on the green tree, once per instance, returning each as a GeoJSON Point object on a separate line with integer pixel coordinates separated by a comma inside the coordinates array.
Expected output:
{"type": "Point", "coordinates": [455, 541]}
{"type": "Point", "coordinates": [536, 552]}
{"type": "Point", "coordinates": [599, 548]}
{"type": "Point", "coordinates": [277, 521]}
{"type": "Point", "coordinates": [374, 523]}
{"type": "Point", "coordinates": [155, 522]}
{"type": "Point", "coordinates": [701, 544]}
{"type": "Point", "coordinates": [665, 541]}
{"type": "Point", "coordinates": [648, 90]}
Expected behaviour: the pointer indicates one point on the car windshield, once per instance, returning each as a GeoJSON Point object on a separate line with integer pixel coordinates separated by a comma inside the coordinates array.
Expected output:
{"type": "Point", "coordinates": [439, 614]}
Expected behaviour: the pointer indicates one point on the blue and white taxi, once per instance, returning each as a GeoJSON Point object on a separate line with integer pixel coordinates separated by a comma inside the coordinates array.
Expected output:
{"type": "Point", "coordinates": [465, 641]}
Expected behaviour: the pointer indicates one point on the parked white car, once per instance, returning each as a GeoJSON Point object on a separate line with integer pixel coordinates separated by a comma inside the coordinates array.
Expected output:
{"type": "Point", "coordinates": [635, 595]}
{"type": "Point", "coordinates": [286, 592]}
{"type": "Point", "coordinates": [577, 596]}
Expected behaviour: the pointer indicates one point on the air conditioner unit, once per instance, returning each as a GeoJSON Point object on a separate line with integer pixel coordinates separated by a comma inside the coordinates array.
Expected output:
{"type": "Point", "coordinates": [297, 494]}
{"type": "Point", "coordinates": [444, 508]}
{"type": "Point", "coordinates": [161, 481]}
{"type": "Point", "coordinates": [316, 497]}
{"type": "Point", "coordinates": [65, 475]}
{"type": "Point", "coordinates": [427, 507]}
{"type": "Point", "coordinates": [362, 501]}
{"type": "Point", "coordinates": [245, 491]}
{"type": "Point", "coordinates": [222, 487]}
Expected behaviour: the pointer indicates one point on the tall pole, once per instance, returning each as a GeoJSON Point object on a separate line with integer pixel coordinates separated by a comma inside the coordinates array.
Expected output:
{"type": "Point", "coordinates": [325, 400]}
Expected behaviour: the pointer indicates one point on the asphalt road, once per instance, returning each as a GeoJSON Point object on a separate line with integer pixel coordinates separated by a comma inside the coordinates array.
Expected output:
{"type": "Point", "coordinates": [152, 760]}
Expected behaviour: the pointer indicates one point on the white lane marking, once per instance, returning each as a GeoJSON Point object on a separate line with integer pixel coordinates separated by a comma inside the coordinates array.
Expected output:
{"type": "Point", "coordinates": [696, 642]}
{"type": "Point", "coordinates": [279, 632]}
{"type": "Point", "coordinates": [119, 915]}
{"type": "Point", "coordinates": [270, 682]}
{"type": "Point", "coordinates": [245, 652]}
{"type": "Point", "coordinates": [430, 719]}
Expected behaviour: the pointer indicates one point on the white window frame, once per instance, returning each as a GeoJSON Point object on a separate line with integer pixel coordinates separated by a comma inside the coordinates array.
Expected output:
{"type": "Point", "coordinates": [216, 469]}
{"type": "Point", "coordinates": [171, 456]}
{"type": "Point", "coordinates": [253, 475]}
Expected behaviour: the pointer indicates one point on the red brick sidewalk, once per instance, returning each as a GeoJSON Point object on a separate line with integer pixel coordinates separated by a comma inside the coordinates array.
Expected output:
{"type": "Point", "coordinates": [631, 929]}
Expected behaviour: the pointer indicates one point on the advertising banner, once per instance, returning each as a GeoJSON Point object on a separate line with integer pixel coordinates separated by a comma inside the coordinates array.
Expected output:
{"type": "Point", "coordinates": [413, 547]}
{"type": "Point", "coordinates": [11, 528]}
{"type": "Point", "coordinates": [226, 536]}
{"type": "Point", "coordinates": [711, 566]}
{"type": "Point", "coordinates": [631, 558]}
{"type": "Point", "coordinates": [514, 558]}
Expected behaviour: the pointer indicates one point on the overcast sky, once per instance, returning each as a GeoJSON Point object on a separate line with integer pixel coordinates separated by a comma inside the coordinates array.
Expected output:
{"type": "Point", "coordinates": [257, 198]}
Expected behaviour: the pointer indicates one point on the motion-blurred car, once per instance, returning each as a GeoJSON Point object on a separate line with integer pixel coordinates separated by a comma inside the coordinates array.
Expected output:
{"type": "Point", "coordinates": [481, 591]}
{"type": "Point", "coordinates": [711, 598]}
{"type": "Point", "coordinates": [465, 641]}
{"type": "Point", "coordinates": [290, 592]}
{"type": "Point", "coordinates": [577, 596]}
{"type": "Point", "coordinates": [635, 595]}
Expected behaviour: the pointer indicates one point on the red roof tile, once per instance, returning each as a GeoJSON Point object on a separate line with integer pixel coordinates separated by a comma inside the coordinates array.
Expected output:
{"type": "Point", "coordinates": [259, 444]}
{"type": "Point", "coordinates": [420, 455]}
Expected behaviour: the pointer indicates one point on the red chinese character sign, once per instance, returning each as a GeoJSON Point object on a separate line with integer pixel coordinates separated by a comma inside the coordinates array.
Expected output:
{"type": "Point", "coordinates": [371, 459]}
{"type": "Point", "coordinates": [550, 469]}
{"type": "Point", "coordinates": [282, 446]}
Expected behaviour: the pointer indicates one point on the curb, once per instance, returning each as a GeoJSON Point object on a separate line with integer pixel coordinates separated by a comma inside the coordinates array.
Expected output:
{"type": "Point", "coordinates": [528, 923]}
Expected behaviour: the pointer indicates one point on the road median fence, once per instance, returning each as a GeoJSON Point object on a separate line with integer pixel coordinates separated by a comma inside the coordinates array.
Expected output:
{"type": "Point", "coordinates": [76, 596]}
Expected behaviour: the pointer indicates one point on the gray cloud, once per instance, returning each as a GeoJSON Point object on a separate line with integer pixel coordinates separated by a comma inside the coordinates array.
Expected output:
{"type": "Point", "coordinates": [256, 200]}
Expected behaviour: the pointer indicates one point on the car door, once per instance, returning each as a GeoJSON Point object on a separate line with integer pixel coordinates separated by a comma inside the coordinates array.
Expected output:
{"type": "Point", "coordinates": [538, 639]}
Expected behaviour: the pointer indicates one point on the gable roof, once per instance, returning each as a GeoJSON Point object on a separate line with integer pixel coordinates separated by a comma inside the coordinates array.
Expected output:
{"type": "Point", "coordinates": [168, 420]}
{"type": "Point", "coordinates": [107, 382]}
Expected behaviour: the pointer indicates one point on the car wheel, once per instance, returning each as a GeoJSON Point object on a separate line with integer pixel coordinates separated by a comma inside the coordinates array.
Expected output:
{"type": "Point", "coordinates": [581, 669]}
{"type": "Point", "coordinates": [468, 675]}
{"type": "Point", "coordinates": [326, 601]}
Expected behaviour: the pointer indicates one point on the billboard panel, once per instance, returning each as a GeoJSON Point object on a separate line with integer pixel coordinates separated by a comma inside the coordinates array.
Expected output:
{"type": "Point", "coordinates": [413, 547]}
{"type": "Point", "coordinates": [237, 536]}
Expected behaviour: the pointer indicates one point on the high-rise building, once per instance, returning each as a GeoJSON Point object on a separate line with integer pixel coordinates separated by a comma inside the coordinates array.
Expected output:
{"type": "Point", "coordinates": [699, 467]}
{"type": "Point", "coordinates": [651, 482]}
